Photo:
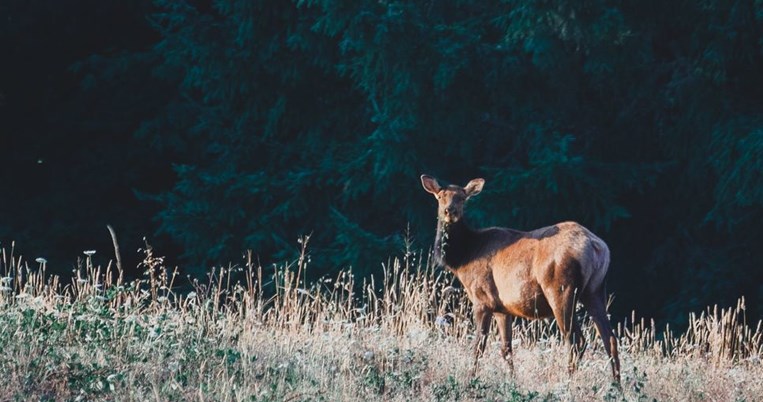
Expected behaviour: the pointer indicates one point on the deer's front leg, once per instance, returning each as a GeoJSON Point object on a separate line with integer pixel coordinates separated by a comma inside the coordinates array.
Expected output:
{"type": "Point", "coordinates": [482, 318]}
{"type": "Point", "coordinates": [504, 322]}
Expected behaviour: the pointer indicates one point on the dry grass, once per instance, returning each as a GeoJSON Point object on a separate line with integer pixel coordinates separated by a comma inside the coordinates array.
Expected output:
{"type": "Point", "coordinates": [404, 335]}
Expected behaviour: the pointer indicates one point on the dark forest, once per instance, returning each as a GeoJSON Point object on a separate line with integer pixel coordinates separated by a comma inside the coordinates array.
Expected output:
{"type": "Point", "coordinates": [210, 128]}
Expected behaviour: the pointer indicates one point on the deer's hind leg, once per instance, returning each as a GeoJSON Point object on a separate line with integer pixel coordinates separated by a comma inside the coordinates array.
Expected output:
{"type": "Point", "coordinates": [595, 304]}
{"type": "Point", "coordinates": [564, 313]}
{"type": "Point", "coordinates": [562, 294]}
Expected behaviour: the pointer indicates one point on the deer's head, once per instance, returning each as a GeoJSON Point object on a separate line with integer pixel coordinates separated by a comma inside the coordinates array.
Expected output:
{"type": "Point", "coordinates": [451, 199]}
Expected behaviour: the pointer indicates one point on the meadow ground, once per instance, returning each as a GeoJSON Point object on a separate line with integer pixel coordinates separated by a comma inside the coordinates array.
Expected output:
{"type": "Point", "coordinates": [250, 333]}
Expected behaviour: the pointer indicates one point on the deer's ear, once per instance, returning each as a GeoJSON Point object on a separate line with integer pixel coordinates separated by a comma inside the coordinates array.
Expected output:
{"type": "Point", "coordinates": [474, 187]}
{"type": "Point", "coordinates": [430, 184]}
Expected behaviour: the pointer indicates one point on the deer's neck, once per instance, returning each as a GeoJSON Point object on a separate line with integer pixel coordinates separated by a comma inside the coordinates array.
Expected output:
{"type": "Point", "coordinates": [452, 243]}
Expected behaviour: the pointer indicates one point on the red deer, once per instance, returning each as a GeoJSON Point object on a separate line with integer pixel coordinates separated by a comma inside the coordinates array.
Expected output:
{"type": "Point", "coordinates": [538, 274]}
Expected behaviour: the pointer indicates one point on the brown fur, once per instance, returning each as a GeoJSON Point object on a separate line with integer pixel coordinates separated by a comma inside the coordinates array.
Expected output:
{"type": "Point", "coordinates": [538, 274]}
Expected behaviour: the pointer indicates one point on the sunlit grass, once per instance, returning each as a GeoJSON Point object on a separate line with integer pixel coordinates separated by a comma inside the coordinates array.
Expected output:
{"type": "Point", "coordinates": [254, 333]}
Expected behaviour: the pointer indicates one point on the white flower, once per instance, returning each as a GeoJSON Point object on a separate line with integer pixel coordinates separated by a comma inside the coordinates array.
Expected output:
{"type": "Point", "coordinates": [89, 253]}
{"type": "Point", "coordinates": [41, 260]}
{"type": "Point", "coordinates": [161, 299]}
{"type": "Point", "coordinates": [191, 295]}
{"type": "Point", "coordinates": [441, 321]}
{"type": "Point", "coordinates": [448, 290]}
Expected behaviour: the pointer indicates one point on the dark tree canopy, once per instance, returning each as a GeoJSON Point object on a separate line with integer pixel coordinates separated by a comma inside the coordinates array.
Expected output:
{"type": "Point", "coordinates": [641, 120]}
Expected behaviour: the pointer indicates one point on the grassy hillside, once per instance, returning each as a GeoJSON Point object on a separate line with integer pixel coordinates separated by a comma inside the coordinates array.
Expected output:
{"type": "Point", "coordinates": [405, 336]}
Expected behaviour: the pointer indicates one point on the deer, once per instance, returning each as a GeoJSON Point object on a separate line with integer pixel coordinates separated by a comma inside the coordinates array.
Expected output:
{"type": "Point", "coordinates": [509, 274]}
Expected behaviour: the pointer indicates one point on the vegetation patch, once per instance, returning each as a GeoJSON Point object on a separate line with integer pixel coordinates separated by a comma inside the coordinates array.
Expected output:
{"type": "Point", "coordinates": [405, 335]}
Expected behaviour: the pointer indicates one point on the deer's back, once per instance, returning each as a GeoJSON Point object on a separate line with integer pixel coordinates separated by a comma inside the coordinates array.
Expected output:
{"type": "Point", "coordinates": [513, 270]}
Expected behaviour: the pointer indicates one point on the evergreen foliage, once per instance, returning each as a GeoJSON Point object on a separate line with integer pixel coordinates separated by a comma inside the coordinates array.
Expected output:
{"type": "Point", "coordinates": [641, 120]}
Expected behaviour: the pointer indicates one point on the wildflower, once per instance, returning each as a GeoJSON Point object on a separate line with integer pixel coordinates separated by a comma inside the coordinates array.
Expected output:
{"type": "Point", "coordinates": [441, 322]}
{"type": "Point", "coordinates": [191, 295]}
{"type": "Point", "coordinates": [448, 290]}
{"type": "Point", "coordinates": [89, 253]}
{"type": "Point", "coordinates": [161, 299]}
{"type": "Point", "coordinates": [41, 260]}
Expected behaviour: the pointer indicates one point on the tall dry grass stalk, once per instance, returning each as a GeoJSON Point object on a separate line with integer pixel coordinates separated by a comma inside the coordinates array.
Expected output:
{"type": "Point", "coordinates": [254, 333]}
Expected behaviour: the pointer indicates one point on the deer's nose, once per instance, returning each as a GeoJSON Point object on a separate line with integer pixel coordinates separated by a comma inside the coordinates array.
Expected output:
{"type": "Point", "coordinates": [449, 211]}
